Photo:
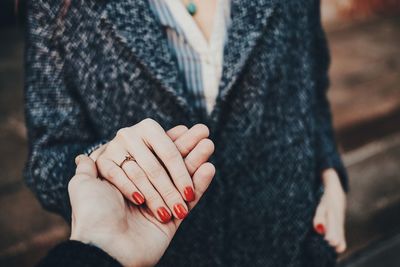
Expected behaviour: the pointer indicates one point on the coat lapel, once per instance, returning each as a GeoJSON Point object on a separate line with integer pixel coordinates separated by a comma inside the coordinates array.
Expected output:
{"type": "Point", "coordinates": [134, 25]}
{"type": "Point", "coordinates": [248, 20]}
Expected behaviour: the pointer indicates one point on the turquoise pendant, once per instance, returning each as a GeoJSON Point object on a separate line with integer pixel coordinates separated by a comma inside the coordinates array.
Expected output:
{"type": "Point", "coordinates": [191, 8]}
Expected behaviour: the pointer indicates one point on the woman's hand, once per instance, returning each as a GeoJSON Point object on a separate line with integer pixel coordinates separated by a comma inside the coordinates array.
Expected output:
{"type": "Point", "coordinates": [129, 233]}
{"type": "Point", "coordinates": [330, 214]}
{"type": "Point", "coordinates": [158, 175]}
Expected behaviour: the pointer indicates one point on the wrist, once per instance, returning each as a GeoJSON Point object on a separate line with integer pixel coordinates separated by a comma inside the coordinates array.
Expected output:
{"type": "Point", "coordinates": [331, 180]}
{"type": "Point", "coordinates": [329, 176]}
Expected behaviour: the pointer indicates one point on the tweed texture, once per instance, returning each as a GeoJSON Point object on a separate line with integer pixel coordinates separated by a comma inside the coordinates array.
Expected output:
{"type": "Point", "coordinates": [107, 65]}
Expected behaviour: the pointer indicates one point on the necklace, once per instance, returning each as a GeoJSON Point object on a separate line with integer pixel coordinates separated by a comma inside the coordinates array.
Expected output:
{"type": "Point", "coordinates": [191, 7]}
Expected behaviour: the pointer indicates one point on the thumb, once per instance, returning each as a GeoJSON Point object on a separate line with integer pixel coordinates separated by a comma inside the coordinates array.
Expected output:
{"type": "Point", "coordinates": [86, 166]}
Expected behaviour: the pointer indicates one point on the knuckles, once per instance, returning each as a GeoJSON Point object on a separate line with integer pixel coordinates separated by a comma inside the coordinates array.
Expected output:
{"type": "Point", "coordinates": [122, 133]}
{"type": "Point", "coordinates": [112, 172]}
{"type": "Point", "coordinates": [149, 123]}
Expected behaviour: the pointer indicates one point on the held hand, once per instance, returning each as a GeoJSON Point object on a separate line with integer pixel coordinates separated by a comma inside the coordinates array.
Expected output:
{"type": "Point", "coordinates": [330, 213]}
{"type": "Point", "coordinates": [160, 174]}
{"type": "Point", "coordinates": [131, 234]}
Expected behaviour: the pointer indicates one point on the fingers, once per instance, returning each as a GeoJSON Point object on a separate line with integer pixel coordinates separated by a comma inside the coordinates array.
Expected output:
{"type": "Point", "coordinates": [199, 155]}
{"type": "Point", "coordinates": [342, 239]}
{"type": "Point", "coordinates": [110, 170]}
{"type": "Point", "coordinates": [192, 144]}
{"type": "Point", "coordinates": [152, 198]}
{"type": "Point", "coordinates": [188, 140]}
{"type": "Point", "coordinates": [115, 175]}
{"type": "Point", "coordinates": [154, 136]}
{"type": "Point", "coordinates": [158, 176]}
{"type": "Point", "coordinates": [329, 225]}
{"type": "Point", "coordinates": [175, 132]}
{"type": "Point", "coordinates": [201, 179]}
{"type": "Point", "coordinates": [335, 233]}
{"type": "Point", "coordinates": [341, 233]}
{"type": "Point", "coordinates": [331, 233]}
{"type": "Point", "coordinates": [342, 246]}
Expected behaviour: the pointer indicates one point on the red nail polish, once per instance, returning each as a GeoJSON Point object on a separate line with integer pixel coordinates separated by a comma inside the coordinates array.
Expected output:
{"type": "Point", "coordinates": [138, 198]}
{"type": "Point", "coordinates": [180, 211]}
{"type": "Point", "coordinates": [164, 214]}
{"type": "Point", "coordinates": [320, 229]}
{"type": "Point", "coordinates": [189, 194]}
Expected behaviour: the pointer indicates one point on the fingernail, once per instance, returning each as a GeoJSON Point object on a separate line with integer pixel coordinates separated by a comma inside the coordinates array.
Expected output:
{"type": "Point", "coordinates": [320, 229]}
{"type": "Point", "coordinates": [138, 198]}
{"type": "Point", "coordinates": [189, 194]}
{"type": "Point", "coordinates": [180, 211]}
{"type": "Point", "coordinates": [164, 214]}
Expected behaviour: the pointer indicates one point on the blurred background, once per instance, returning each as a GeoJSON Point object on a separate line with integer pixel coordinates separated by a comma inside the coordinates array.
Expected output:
{"type": "Point", "coordinates": [364, 38]}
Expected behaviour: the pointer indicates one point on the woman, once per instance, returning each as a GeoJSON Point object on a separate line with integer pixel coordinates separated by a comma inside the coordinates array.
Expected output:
{"type": "Point", "coordinates": [96, 68]}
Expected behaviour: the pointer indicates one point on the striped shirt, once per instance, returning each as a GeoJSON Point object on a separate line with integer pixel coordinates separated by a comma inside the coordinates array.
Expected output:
{"type": "Point", "coordinates": [199, 61]}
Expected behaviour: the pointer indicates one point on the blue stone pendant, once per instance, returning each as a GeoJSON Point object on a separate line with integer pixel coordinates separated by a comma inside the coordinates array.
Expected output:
{"type": "Point", "coordinates": [191, 8]}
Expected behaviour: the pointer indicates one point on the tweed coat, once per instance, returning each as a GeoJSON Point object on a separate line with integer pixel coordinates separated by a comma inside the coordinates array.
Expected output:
{"type": "Point", "coordinates": [104, 65]}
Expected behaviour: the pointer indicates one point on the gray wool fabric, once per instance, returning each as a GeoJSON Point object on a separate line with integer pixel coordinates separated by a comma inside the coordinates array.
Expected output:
{"type": "Point", "coordinates": [105, 65]}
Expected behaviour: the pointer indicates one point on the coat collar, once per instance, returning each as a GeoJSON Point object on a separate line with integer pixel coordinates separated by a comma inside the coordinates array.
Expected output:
{"type": "Point", "coordinates": [136, 27]}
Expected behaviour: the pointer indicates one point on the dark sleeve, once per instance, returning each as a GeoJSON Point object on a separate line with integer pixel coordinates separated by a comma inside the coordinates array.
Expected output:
{"type": "Point", "coordinates": [77, 254]}
{"type": "Point", "coordinates": [327, 151]}
{"type": "Point", "coordinates": [57, 124]}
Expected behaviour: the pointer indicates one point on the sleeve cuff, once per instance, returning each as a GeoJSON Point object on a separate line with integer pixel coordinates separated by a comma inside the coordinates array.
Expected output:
{"type": "Point", "coordinates": [77, 254]}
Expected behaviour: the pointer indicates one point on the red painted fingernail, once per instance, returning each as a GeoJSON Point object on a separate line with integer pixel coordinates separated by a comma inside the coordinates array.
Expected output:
{"type": "Point", "coordinates": [189, 194]}
{"type": "Point", "coordinates": [320, 229]}
{"type": "Point", "coordinates": [138, 198]}
{"type": "Point", "coordinates": [180, 211]}
{"type": "Point", "coordinates": [164, 214]}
